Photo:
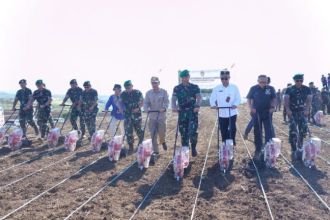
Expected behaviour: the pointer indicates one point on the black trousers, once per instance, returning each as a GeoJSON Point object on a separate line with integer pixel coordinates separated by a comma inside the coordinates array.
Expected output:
{"type": "Point", "coordinates": [228, 132]}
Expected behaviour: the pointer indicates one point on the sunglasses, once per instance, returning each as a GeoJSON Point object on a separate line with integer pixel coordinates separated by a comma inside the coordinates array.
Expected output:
{"type": "Point", "coordinates": [86, 86]}
{"type": "Point", "coordinates": [263, 82]}
{"type": "Point", "coordinates": [299, 80]}
{"type": "Point", "coordinates": [224, 78]}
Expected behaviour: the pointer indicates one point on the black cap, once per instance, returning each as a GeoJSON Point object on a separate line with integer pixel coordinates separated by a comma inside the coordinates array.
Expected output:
{"type": "Point", "coordinates": [224, 72]}
{"type": "Point", "coordinates": [22, 81]}
{"type": "Point", "coordinates": [116, 86]}
{"type": "Point", "coordinates": [87, 83]}
{"type": "Point", "coordinates": [73, 81]}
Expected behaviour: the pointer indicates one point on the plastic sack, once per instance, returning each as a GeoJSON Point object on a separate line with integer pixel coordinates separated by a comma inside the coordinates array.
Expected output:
{"type": "Point", "coordinates": [180, 161]}
{"type": "Point", "coordinates": [319, 118]}
{"type": "Point", "coordinates": [311, 150]}
{"type": "Point", "coordinates": [15, 139]}
{"type": "Point", "coordinates": [272, 151]}
{"type": "Point", "coordinates": [2, 135]}
{"type": "Point", "coordinates": [226, 154]}
{"type": "Point", "coordinates": [144, 153]}
{"type": "Point", "coordinates": [71, 140]}
{"type": "Point", "coordinates": [53, 137]}
{"type": "Point", "coordinates": [96, 141]}
{"type": "Point", "coordinates": [114, 148]}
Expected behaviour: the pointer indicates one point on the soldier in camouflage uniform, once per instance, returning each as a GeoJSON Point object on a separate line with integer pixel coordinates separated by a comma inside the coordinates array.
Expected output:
{"type": "Point", "coordinates": [24, 96]}
{"type": "Point", "coordinates": [44, 99]}
{"type": "Point", "coordinates": [297, 102]}
{"type": "Point", "coordinates": [74, 93]}
{"type": "Point", "coordinates": [316, 102]}
{"type": "Point", "coordinates": [88, 102]}
{"type": "Point", "coordinates": [132, 101]}
{"type": "Point", "coordinates": [189, 100]}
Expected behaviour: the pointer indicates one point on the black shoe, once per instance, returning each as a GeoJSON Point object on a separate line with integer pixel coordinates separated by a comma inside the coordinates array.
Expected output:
{"type": "Point", "coordinates": [130, 149]}
{"type": "Point", "coordinates": [154, 157]}
{"type": "Point", "coordinates": [164, 146]}
{"type": "Point", "coordinates": [194, 152]}
{"type": "Point", "coordinates": [257, 155]}
{"type": "Point", "coordinates": [297, 155]}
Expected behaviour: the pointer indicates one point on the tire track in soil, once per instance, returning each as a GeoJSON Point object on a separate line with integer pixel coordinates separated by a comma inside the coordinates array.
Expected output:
{"type": "Point", "coordinates": [232, 195]}
{"type": "Point", "coordinates": [130, 189]}
{"type": "Point", "coordinates": [317, 177]}
{"type": "Point", "coordinates": [59, 201]}
{"type": "Point", "coordinates": [288, 196]}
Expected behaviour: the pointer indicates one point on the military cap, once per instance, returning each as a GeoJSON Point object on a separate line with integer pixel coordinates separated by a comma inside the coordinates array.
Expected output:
{"type": "Point", "coordinates": [39, 82]}
{"type": "Point", "coordinates": [184, 73]}
{"type": "Point", "coordinates": [87, 83]}
{"type": "Point", "coordinates": [127, 83]}
{"type": "Point", "coordinates": [22, 81]}
{"type": "Point", "coordinates": [73, 81]}
{"type": "Point", "coordinates": [298, 76]}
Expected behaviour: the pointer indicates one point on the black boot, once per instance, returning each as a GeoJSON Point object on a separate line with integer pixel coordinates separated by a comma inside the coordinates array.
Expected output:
{"type": "Point", "coordinates": [164, 146]}
{"type": "Point", "coordinates": [194, 152]}
{"type": "Point", "coordinates": [130, 148]}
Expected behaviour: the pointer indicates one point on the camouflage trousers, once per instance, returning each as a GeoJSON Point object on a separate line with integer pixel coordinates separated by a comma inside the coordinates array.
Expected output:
{"type": "Point", "coordinates": [297, 130]}
{"type": "Point", "coordinates": [43, 117]}
{"type": "Point", "coordinates": [27, 117]}
{"type": "Point", "coordinates": [75, 113]}
{"type": "Point", "coordinates": [188, 125]}
{"type": "Point", "coordinates": [90, 120]}
{"type": "Point", "coordinates": [133, 122]}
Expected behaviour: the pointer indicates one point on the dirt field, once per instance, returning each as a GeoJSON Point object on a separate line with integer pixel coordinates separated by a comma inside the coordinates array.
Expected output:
{"type": "Point", "coordinates": [43, 183]}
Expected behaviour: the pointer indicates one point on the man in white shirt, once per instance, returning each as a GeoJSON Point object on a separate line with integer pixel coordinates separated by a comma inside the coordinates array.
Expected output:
{"type": "Point", "coordinates": [227, 97]}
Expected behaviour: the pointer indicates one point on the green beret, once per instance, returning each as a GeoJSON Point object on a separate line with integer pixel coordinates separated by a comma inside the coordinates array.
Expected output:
{"type": "Point", "coordinates": [127, 83]}
{"type": "Point", "coordinates": [184, 73]}
{"type": "Point", "coordinates": [298, 76]}
{"type": "Point", "coordinates": [39, 82]}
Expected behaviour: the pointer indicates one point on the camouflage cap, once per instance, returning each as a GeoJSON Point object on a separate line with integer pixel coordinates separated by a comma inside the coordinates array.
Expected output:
{"type": "Point", "coordinates": [22, 81]}
{"type": "Point", "coordinates": [127, 83]}
{"type": "Point", "coordinates": [298, 76]}
{"type": "Point", "coordinates": [184, 73]}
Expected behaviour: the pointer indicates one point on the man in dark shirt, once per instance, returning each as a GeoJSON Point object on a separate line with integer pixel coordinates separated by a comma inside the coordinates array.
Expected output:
{"type": "Point", "coordinates": [88, 103]}
{"type": "Point", "coordinates": [44, 99]}
{"type": "Point", "coordinates": [74, 93]}
{"type": "Point", "coordinates": [278, 100]}
{"type": "Point", "coordinates": [186, 99]}
{"type": "Point", "coordinates": [132, 102]}
{"type": "Point", "coordinates": [24, 96]}
{"type": "Point", "coordinates": [325, 101]}
{"type": "Point", "coordinates": [262, 101]}
{"type": "Point", "coordinates": [297, 102]}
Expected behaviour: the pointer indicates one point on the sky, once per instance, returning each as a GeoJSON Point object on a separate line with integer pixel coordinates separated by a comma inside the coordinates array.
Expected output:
{"type": "Point", "coordinates": [108, 41]}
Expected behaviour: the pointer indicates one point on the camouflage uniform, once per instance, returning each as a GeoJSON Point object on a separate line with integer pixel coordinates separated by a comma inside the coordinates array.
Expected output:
{"type": "Point", "coordinates": [130, 101]}
{"type": "Point", "coordinates": [43, 115]}
{"type": "Point", "coordinates": [316, 103]}
{"type": "Point", "coordinates": [187, 97]}
{"type": "Point", "coordinates": [298, 98]}
{"type": "Point", "coordinates": [88, 98]}
{"type": "Point", "coordinates": [74, 94]}
{"type": "Point", "coordinates": [23, 96]}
